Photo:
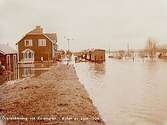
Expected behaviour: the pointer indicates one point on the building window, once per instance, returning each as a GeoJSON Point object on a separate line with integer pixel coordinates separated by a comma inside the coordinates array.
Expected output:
{"type": "Point", "coordinates": [8, 59]}
{"type": "Point", "coordinates": [14, 59]}
{"type": "Point", "coordinates": [28, 54]}
{"type": "Point", "coordinates": [28, 42]}
{"type": "Point", "coordinates": [42, 42]}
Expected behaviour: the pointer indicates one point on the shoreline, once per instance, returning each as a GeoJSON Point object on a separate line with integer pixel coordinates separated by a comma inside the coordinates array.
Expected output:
{"type": "Point", "coordinates": [54, 97]}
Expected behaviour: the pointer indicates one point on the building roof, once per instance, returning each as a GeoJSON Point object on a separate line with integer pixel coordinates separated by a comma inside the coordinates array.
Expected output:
{"type": "Point", "coordinates": [93, 49]}
{"type": "Point", "coordinates": [52, 36]}
{"type": "Point", "coordinates": [6, 49]}
{"type": "Point", "coordinates": [39, 30]}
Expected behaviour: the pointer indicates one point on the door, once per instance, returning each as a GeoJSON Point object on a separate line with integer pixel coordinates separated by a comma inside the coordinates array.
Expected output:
{"type": "Point", "coordinates": [8, 66]}
{"type": "Point", "coordinates": [28, 56]}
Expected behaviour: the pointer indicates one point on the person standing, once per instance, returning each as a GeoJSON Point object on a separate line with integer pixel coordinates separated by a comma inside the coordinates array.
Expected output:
{"type": "Point", "coordinates": [2, 68]}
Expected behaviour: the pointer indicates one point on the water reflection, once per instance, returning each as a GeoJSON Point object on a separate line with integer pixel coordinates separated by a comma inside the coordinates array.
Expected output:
{"type": "Point", "coordinates": [24, 71]}
{"type": "Point", "coordinates": [98, 68]}
{"type": "Point", "coordinates": [127, 93]}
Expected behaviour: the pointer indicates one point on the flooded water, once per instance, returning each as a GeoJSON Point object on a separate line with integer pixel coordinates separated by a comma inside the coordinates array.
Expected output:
{"type": "Point", "coordinates": [24, 71]}
{"type": "Point", "coordinates": [126, 92]}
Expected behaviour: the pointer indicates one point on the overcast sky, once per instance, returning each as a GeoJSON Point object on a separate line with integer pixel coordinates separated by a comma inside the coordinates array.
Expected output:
{"type": "Point", "coordinates": [91, 23]}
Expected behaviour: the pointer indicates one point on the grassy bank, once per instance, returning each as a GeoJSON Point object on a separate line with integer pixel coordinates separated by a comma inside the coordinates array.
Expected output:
{"type": "Point", "coordinates": [54, 97]}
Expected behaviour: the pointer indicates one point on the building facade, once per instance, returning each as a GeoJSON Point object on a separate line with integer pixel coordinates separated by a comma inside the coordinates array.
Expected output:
{"type": "Point", "coordinates": [8, 57]}
{"type": "Point", "coordinates": [94, 55]}
{"type": "Point", "coordinates": [37, 46]}
{"type": "Point", "coordinates": [97, 55]}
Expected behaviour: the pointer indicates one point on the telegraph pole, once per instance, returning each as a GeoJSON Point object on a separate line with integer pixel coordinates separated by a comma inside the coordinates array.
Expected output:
{"type": "Point", "coordinates": [68, 42]}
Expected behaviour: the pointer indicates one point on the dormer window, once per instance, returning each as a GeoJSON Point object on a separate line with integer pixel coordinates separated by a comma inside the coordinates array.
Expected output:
{"type": "Point", "coordinates": [28, 42]}
{"type": "Point", "coordinates": [42, 42]}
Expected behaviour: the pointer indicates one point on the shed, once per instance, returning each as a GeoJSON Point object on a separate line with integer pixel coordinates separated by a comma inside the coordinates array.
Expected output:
{"type": "Point", "coordinates": [8, 56]}
{"type": "Point", "coordinates": [97, 55]}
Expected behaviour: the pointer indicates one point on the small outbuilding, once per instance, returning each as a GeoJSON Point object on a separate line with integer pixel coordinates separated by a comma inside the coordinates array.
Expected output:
{"type": "Point", "coordinates": [96, 55]}
{"type": "Point", "coordinates": [8, 57]}
{"type": "Point", "coordinates": [59, 55]}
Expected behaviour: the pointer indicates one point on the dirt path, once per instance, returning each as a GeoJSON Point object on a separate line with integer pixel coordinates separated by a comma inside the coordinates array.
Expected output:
{"type": "Point", "coordinates": [55, 97]}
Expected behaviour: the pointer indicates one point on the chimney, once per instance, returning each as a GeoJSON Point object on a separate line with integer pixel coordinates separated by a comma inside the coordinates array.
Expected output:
{"type": "Point", "coordinates": [39, 29]}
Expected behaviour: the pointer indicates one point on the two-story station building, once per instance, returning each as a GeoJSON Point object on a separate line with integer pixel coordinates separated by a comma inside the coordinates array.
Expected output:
{"type": "Point", "coordinates": [37, 46]}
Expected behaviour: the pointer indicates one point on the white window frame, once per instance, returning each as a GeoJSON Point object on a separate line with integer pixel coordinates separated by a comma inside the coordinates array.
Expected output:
{"type": "Point", "coordinates": [8, 59]}
{"type": "Point", "coordinates": [29, 42]}
{"type": "Point", "coordinates": [41, 42]}
{"type": "Point", "coordinates": [14, 59]}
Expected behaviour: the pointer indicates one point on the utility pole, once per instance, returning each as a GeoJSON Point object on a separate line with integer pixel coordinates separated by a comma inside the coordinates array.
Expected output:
{"type": "Point", "coordinates": [68, 42]}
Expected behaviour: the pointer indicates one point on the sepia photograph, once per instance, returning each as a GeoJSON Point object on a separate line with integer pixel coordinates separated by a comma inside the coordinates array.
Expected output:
{"type": "Point", "coordinates": [83, 62]}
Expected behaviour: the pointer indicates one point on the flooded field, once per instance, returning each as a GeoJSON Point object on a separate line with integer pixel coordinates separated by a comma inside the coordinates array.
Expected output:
{"type": "Point", "coordinates": [24, 71]}
{"type": "Point", "coordinates": [126, 92]}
